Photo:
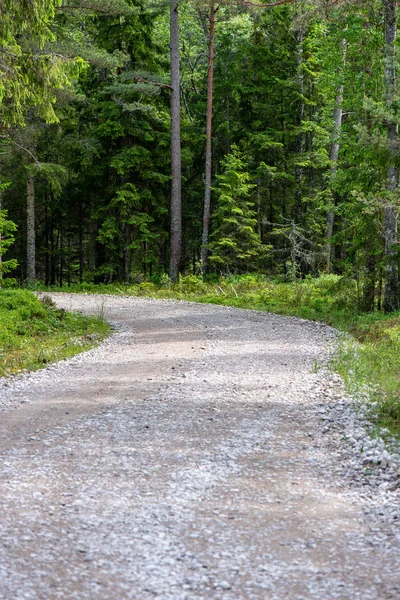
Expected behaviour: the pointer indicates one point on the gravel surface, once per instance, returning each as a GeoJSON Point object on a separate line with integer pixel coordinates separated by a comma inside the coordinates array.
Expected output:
{"type": "Point", "coordinates": [201, 452]}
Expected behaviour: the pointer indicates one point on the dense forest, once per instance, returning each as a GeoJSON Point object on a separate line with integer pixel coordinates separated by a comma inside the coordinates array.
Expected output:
{"type": "Point", "coordinates": [148, 138]}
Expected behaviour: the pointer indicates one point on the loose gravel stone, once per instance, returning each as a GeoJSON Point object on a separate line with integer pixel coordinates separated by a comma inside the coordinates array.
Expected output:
{"type": "Point", "coordinates": [196, 453]}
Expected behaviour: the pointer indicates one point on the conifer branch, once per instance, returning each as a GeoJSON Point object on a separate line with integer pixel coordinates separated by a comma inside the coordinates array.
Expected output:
{"type": "Point", "coordinates": [11, 141]}
{"type": "Point", "coordinates": [156, 83]}
{"type": "Point", "coordinates": [278, 3]}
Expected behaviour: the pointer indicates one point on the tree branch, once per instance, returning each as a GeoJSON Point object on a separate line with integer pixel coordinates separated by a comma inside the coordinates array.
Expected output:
{"type": "Point", "coordinates": [278, 3]}
{"type": "Point", "coordinates": [6, 137]}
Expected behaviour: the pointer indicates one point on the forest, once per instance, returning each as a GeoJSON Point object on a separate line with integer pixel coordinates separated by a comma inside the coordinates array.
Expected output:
{"type": "Point", "coordinates": [152, 138]}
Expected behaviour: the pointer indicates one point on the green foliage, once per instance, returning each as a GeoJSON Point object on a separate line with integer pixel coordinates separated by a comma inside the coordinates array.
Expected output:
{"type": "Point", "coordinates": [7, 229]}
{"type": "Point", "coordinates": [371, 362]}
{"type": "Point", "coordinates": [30, 75]}
{"type": "Point", "coordinates": [56, 176]}
{"type": "Point", "coordinates": [34, 332]}
{"type": "Point", "coordinates": [234, 243]}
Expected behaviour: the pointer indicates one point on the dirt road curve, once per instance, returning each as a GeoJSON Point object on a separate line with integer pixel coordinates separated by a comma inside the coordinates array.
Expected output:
{"type": "Point", "coordinates": [186, 459]}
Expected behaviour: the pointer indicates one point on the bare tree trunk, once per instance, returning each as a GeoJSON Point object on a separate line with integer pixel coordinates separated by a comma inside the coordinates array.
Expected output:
{"type": "Point", "coordinates": [368, 303]}
{"type": "Point", "coordinates": [300, 117]}
{"type": "Point", "coordinates": [334, 158]}
{"type": "Point", "coordinates": [208, 169]}
{"type": "Point", "coordinates": [258, 205]}
{"type": "Point", "coordinates": [30, 229]}
{"type": "Point", "coordinates": [1, 255]}
{"type": "Point", "coordinates": [127, 254]}
{"type": "Point", "coordinates": [61, 272]}
{"type": "Point", "coordinates": [391, 281]}
{"type": "Point", "coordinates": [176, 186]}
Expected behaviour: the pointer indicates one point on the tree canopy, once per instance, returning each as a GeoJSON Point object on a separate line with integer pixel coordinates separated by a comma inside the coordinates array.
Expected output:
{"type": "Point", "coordinates": [304, 114]}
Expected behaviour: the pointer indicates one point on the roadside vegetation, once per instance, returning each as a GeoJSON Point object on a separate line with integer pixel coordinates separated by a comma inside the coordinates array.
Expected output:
{"type": "Point", "coordinates": [35, 332]}
{"type": "Point", "coordinates": [370, 356]}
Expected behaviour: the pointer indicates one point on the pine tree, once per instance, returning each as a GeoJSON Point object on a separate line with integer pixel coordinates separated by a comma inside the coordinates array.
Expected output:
{"type": "Point", "coordinates": [176, 161]}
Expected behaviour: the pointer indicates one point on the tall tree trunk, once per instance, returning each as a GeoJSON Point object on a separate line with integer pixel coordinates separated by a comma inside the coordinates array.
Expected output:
{"type": "Point", "coordinates": [176, 168]}
{"type": "Point", "coordinates": [208, 169]}
{"type": "Point", "coordinates": [127, 254]}
{"type": "Point", "coordinates": [46, 239]}
{"type": "Point", "coordinates": [53, 248]}
{"type": "Point", "coordinates": [370, 281]}
{"type": "Point", "coordinates": [258, 205]}
{"type": "Point", "coordinates": [1, 255]}
{"type": "Point", "coordinates": [30, 229]}
{"type": "Point", "coordinates": [61, 273]}
{"type": "Point", "coordinates": [69, 261]}
{"type": "Point", "coordinates": [80, 243]}
{"type": "Point", "coordinates": [334, 158]}
{"type": "Point", "coordinates": [391, 279]}
{"type": "Point", "coordinates": [300, 118]}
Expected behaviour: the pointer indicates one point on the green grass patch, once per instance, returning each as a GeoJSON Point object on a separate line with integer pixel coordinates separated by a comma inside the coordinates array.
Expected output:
{"type": "Point", "coordinates": [373, 360]}
{"type": "Point", "coordinates": [34, 332]}
{"type": "Point", "coordinates": [373, 357]}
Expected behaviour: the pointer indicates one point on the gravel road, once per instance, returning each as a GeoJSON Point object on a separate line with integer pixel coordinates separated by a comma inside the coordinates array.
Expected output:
{"type": "Point", "coordinates": [201, 452]}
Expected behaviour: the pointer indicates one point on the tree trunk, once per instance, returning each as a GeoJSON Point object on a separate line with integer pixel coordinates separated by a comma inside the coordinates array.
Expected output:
{"type": "Point", "coordinates": [61, 273]}
{"type": "Point", "coordinates": [176, 186]}
{"type": "Point", "coordinates": [30, 229]}
{"type": "Point", "coordinates": [258, 205]}
{"type": "Point", "coordinates": [46, 239]}
{"type": "Point", "coordinates": [391, 281]}
{"type": "Point", "coordinates": [370, 282]}
{"type": "Point", "coordinates": [69, 261]}
{"type": "Point", "coordinates": [1, 255]}
{"type": "Point", "coordinates": [80, 243]}
{"type": "Point", "coordinates": [334, 158]}
{"type": "Point", "coordinates": [300, 118]}
{"type": "Point", "coordinates": [127, 254]}
{"type": "Point", "coordinates": [208, 169]}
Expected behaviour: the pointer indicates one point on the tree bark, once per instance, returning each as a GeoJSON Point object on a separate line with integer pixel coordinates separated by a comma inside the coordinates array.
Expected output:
{"type": "Point", "coordinates": [61, 272]}
{"type": "Point", "coordinates": [208, 167]}
{"type": "Point", "coordinates": [176, 167]}
{"type": "Point", "coordinates": [127, 254]}
{"type": "Point", "coordinates": [370, 281]}
{"type": "Point", "coordinates": [30, 229]}
{"type": "Point", "coordinates": [334, 158]}
{"type": "Point", "coordinates": [391, 278]}
{"type": "Point", "coordinates": [1, 255]}
{"type": "Point", "coordinates": [300, 118]}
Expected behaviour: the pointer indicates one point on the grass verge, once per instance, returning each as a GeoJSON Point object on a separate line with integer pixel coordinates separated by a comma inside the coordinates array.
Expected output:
{"type": "Point", "coordinates": [34, 332]}
{"type": "Point", "coordinates": [372, 359]}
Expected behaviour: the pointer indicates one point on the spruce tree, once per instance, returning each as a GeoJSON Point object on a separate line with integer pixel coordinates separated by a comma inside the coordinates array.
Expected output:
{"type": "Point", "coordinates": [7, 238]}
{"type": "Point", "coordinates": [234, 243]}
{"type": "Point", "coordinates": [28, 73]}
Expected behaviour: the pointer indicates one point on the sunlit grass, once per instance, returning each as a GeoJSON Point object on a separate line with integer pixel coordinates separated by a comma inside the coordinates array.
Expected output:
{"type": "Point", "coordinates": [34, 333]}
